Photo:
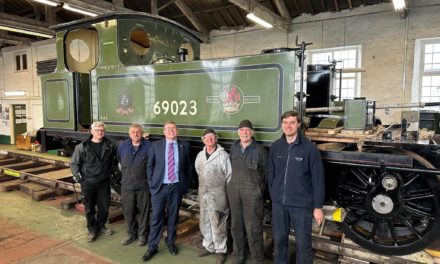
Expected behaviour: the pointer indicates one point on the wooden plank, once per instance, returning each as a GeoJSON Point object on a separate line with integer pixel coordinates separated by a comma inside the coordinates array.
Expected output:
{"type": "Point", "coordinates": [30, 187]}
{"type": "Point", "coordinates": [333, 146]}
{"type": "Point", "coordinates": [4, 178]}
{"type": "Point", "coordinates": [43, 194]}
{"type": "Point", "coordinates": [10, 185]}
{"type": "Point", "coordinates": [55, 175]}
{"type": "Point", "coordinates": [186, 227]}
{"type": "Point", "coordinates": [30, 170]}
{"type": "Point", "coordinates": [330, 131]}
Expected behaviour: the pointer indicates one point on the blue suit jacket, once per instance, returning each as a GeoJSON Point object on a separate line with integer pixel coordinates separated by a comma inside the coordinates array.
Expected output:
{"type": "Point", "coordinates": [156, 165]}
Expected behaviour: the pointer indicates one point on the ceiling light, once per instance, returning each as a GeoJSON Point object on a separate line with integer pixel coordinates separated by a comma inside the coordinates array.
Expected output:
{"type": "Point", "coordinates": [47, 2]}
{"type": "Point", "coordinates": [15, 93]}
{"type": "Point", "coordinates": [399, 4]}
{"type": "Point", "coordinates": [259, 21]}
{"type": "Point", "coordinates": [26, 31]}
{"type": "Point", "coordinates": [77, 10]}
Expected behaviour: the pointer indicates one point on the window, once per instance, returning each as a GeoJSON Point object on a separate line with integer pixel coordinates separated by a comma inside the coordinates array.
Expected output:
{"type": "Point", "coordinates": [346, 57]}
{"type": "Point", "coordinates": [21, 62]}
{"type": "Point", "coordinates": [426, 80]}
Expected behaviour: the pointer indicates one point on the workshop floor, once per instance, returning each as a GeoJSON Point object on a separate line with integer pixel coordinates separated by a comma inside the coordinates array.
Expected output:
{"type": "Point", "coordinates": [39, 232]}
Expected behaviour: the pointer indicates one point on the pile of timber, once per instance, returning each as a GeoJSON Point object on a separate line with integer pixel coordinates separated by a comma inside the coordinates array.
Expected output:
{"type": "Point", "coordinates": [339, 134]}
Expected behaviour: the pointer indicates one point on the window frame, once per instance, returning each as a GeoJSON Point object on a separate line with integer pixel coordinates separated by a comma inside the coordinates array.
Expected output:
{"type": "Point", "coordinates": [419, 70]}
{"type": "Point", "coordinates": [21, 62]}
{"type": "Point", "coordinates": [355, 77]}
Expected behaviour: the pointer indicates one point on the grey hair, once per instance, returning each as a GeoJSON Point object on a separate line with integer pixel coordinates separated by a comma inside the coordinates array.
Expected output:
{"type": "Point", "coordinates": [97, 124]}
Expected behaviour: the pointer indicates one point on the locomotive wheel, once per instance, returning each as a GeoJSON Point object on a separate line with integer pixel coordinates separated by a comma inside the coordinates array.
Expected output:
{"type": "Point", "coordinates": [391, 213]}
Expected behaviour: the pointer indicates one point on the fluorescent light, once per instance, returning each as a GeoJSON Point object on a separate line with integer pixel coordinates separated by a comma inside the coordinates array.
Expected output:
{"type": "Point", "coordinates": [15, 93]}
{"type": "Point", "coordinates": [26, 31]}
{"type": "Point", "coordinates": [77, 10]}
{"type": "Point", "coordinates": [399, 4]}
{"type": "Point", "coordinates": [47, 2]}
{"type": "Point", "coordinates": [258, 20]}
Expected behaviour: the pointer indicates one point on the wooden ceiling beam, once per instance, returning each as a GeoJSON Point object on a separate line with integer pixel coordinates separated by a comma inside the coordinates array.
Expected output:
{"type": "Point", "coordinates": [25, 23]}
{"type": "Point", "coordinates": [282, 8]}
{"type": "Point", "coordinates": [97, 6]}
{"type": "Point", "coordinates": [336, 5]}
{"type": "Point", "coordinates": [154, 10]}
{"type": "Point", "coordinates": [165, 5]}
{"type": "Point", "coordinates": [323, 5]}
{"type": "Point", "coordinates": [309, 4]}
{"type": "Point", "coordinates": [263, 13]}
{"type": "Point", "coordinates": [186, 10]}
{"type": "Point", "coordinates": [118, 3]}
{"type": "Point", "coordinates": [14, 40]}
{"type": "Point", "coordinates": [297, 7]}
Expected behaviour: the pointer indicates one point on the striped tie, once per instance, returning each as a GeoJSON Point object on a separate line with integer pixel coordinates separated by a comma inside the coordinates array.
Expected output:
{"type": "Point", "coordinates": [171, 175]}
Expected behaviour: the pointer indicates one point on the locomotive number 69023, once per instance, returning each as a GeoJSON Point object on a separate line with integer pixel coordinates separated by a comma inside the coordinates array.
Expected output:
{"type": "Point", "coordinates": [176, 108]}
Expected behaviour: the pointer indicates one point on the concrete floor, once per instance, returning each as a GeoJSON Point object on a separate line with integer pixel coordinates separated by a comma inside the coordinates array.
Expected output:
{"type": "Point", "coordinates": [39, 232]}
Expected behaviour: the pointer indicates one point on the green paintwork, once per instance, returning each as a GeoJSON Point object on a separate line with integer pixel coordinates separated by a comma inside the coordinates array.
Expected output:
{"type": "Point", "coordinates": [5, 139]}
{"type": "Point", "coordinates": [126, 87]}
{"type": "Point", "coordinates": [58, 106]}
{"type": "Point", "coordinates": [195, 95]}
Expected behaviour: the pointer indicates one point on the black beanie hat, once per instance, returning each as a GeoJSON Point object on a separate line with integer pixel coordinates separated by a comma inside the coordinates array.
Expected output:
{"type": "Point", "coordinates": [245, 123]}
{"type": "Point", "coordinates": [208, 131]}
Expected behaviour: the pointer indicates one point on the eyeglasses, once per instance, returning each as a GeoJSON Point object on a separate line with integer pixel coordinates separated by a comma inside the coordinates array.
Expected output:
{"type": "Point", "coordinates": [211, 136]}
{"type": "Point", "coordinates": [99, 130]}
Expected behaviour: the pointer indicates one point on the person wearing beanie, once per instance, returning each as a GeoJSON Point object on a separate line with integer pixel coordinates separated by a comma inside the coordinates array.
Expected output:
{"type": "Point", "coordinates": [245, 193]}
{"type": "Point", "coordinates": [214, 169]}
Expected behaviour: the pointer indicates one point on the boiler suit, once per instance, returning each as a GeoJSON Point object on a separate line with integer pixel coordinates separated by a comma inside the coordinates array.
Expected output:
{"type": "Point", "coordinates": [245, 194]}
{"type": "Point", "coordinates": [214, 173]}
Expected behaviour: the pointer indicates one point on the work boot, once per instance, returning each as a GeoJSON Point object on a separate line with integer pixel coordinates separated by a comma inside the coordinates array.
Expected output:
{"type": "Point", "coordinates": [142, 241]}
{"type": "Point", "coordinates": [106, 231]}
{"type": "Point", "coordinates": [204, 252]}
{"type": "Point", "coordinates": [220, 258]}
{"type": "Point", "coordinates": [128, 240]}
{"type": "Point", "coordinates": [91, 237]}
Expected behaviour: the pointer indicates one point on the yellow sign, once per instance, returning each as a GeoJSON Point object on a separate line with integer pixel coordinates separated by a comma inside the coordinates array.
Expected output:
{"type": "Point", "coordinates": [11, 173]}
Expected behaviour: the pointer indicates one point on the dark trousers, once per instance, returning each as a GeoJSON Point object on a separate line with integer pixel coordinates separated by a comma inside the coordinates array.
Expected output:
{"type": "Point", "coordinates": [96, 195]}
{"type": "Point", "coordinates": [283, 217]}
{"type": "Point", "coordinates": [136, 204]}
{"type": "Point", "coordinates": [246, 204]}
{"type": "Point", "coordinates": [168, 197]}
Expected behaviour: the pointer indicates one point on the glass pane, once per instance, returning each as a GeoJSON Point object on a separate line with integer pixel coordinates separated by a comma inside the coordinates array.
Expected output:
{"type": "Point", "coordinates": [426, 81]}
{"type": "Point", "coordinates": [435, 80]}
{"type": "Point", "coordinates": [17, 63]}
{"type": "Point", "coordinates": [428, 58]}
{"type": "Point", "coordinates": [428, 48]}
{"type": "Point", "coordinates": [24, 61]}
{"type": "Point", "coordinates": [436, 58]}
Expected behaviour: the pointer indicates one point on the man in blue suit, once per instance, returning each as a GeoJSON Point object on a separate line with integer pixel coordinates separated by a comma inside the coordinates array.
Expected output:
{"type": "Point", "coordinates": [168, 170]}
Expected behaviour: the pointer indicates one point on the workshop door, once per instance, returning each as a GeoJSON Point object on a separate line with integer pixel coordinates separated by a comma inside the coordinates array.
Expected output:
{"type": "Point", "coordinates": [18, 121]}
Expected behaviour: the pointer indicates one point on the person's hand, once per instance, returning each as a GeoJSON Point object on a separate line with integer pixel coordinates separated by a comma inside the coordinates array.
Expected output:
{"type": "Point", "coordinates": [78, 178]}
{"type": "Point", "coordinates": [318, 215]}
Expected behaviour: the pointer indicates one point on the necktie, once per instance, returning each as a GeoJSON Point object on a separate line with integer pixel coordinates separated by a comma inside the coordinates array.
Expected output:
{"type": "Point", "coordinates": [171, 175]}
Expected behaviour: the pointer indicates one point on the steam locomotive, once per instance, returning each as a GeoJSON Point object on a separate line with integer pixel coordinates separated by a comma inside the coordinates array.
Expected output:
{"type": "Point", "coordinates": [122, 68]}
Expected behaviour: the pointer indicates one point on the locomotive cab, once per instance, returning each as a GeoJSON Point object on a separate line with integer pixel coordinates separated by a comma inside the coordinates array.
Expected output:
{"type": "Point", "coordinates": [86, 49]}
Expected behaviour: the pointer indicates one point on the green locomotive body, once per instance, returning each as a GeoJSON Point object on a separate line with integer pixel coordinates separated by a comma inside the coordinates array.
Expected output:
{"type": "Point", "coordinates": [121, 86]}
{"type": "Point", "coordinates": [125, 68]}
